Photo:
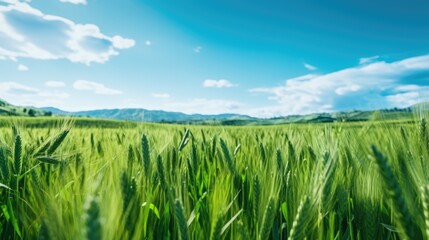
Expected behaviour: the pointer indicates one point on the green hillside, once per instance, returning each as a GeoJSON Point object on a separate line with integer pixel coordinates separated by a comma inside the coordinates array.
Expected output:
{"type": "Point", "coordinates": [7, 109]}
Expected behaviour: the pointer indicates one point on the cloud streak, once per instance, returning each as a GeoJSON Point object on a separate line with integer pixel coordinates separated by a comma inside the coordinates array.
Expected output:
{"type": "Point", "coordinates": [367, 60]}
{"type": "Point", "coordinates": [26, 32]}
{"type": "Point", "coordinates": [97, 88]}
{"type": "Point", "coordinates": [23, 95]}
{"type": "Point", "coordinates": [84, 2]}
{"type": "Point", "coordinates": [22, 68]}
{"type": "Point", "coordinates": [222, 83]}
{"type": "Point", "coordinates": [310, 67]}
{"type": "Point", "coordinates": [375, 85]}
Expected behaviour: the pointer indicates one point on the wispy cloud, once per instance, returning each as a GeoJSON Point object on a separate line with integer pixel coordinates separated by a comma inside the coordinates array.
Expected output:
{"type": "Point", "coordinates": [22, 68]}
{"type": "Point", "coordinates": [348, 89]}
{"type": "Point", "coordinates": [367, 60]}
{"type": "Point", "coordinates": [55, 84]}
{"type": "Point", "coordinates": [94, 87]}
{"type": "Point", "coordinates": [84, 2]}
{"type": "Point", "coordinates": [148, 43]}
{"type": "Point", "coordinates": [14, 87]}
{"type": "Point", "coordinates": [27, 32]}
{"type": "Point", "coordinates": [310, 67]}
{"type": "Point", "coordinates": [222, 83]}
{"type": "Point", "coordinates": [161, 95]}
{"type": "Point", "coordinates": [406, 99]}
{"type": "Point", "coordinates": [198, 49]}
{"type": "Point", "coordinates": [24, 95]}
{"type": "Point", "coordinates": [374, 85]}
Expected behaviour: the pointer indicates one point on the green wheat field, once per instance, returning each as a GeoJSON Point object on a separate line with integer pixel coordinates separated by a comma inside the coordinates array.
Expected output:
{"type": "Point", "coordinates": [94, 179]}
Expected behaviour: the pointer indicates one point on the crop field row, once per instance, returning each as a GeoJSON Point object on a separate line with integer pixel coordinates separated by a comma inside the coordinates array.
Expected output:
{"type": "Point", "coordinates": [153, 181]}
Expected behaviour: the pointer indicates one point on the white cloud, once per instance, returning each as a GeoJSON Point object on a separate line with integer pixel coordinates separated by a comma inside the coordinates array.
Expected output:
{"type": "Point", "coordinates": [74, 1]}
{"type": "Point", "coordinates": [368, 59]}
{"type": "Point", "coordinates": [222, 83]}
{"type": "Point", "coordinates": [7, 87]}
{"type": "Point", "coordinates": [347, 89]}
{"type": "Point", "coordinates": [122, 43]}
{"type": "Point", "coordinates": [55, 84]}
{"type": "Point", "coordinates": [406, 88]}
{"type": "Point", "coordinates": [198, 49]}
{"type": "Point", "coordinates": [374, 85]}
{"type": "Point", "coordinates": [27, 32]}
{"type": "Point", "coordinates": [94, 87]}
{"type": "Point", "coordinates": [23, 95]}
{"type": "Point", "coordinates": [148, 43]}
{"type": "Point", "coordinates": [408, 94]}
{"type": "Point", "coordinates": [310, 67]}
{"type": "Point", "coordinates": [22, 68]}
{"type": "Point", "coordinates": [161, 95]}
{"type": "Point", "coordinates": [406, 99]}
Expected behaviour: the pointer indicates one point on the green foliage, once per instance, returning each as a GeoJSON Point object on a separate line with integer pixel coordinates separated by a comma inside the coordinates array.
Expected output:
{"type": "Point", "coordinates": [7, 109]}
{"type": "Point", "coordinates": [92, 218]}
{"type": "Point", "coordinates": [300, 223]}
{"type": "Point", "coordinates": [317, 181]}
{"type": "Point", "coordinates": [267, 222]}
{"type": "Point", "coordinates": [17, 155]}
{"type": "Point", "coordinates": [394, 191]}
{"type": "Point", "coordinates": [180, 219]}
{"type": "Point", "coordinates": [146, 154]}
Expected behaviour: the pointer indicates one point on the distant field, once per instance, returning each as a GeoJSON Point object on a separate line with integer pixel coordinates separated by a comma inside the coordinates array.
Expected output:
{"type": "Point", "coordinates": [102, 179]}
{"type": "Point", "coordinates": [45, 122]}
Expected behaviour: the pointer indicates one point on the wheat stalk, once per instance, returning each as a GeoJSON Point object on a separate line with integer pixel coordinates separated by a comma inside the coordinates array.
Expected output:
{"type": "Point", "coordinates": [17, 154]}
{"type": "Point", "coordinates": [267, 221]}
{"type": "Point", "coordinates": [57, 141]}
{"type": "Point", "coordinates": [299, 225]}
{"type": "Point", "coordinates": [279, 160]}
{"type": "Point", "coordinates": [256, 197]}
{"type": "Point", "coordinates": [145, 154]}
{"type": "Point", "coordinates": [425, 200]}
{"type": "Point", "coordinates": [217, 228]}
{"type": "Point", "coordinates": [4, 166]}
{"type": "Point", "coordinates": [48, 159]}
{"type": "Point", "coordinates": [394, 192]}
{"type": "Point", "coordinates": [92, 217]}
{"type": "Point", "coordinates": [184, 141]}
{"type": "Point", "coordinates": [161, 172]}
{"type": "Point", "coordinates": [227, 156]}
{"type": "Point", "coordinates": [180, 219]}
{"type": "Point", "coordinates": [262, 152]}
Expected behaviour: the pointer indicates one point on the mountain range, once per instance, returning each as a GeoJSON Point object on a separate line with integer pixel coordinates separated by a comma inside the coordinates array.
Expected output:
{"type": "Point", "coordinates": [144, 115]}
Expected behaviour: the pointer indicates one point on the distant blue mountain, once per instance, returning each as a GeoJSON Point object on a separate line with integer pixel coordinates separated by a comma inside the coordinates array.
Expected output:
{"type": "Point", "coordinates": [144, 115]}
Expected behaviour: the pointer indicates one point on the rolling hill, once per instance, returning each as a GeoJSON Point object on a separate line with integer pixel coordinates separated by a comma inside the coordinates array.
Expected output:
{"type": "Point", "coordinates": [144, 115]}
{"type": "Point", "coordinates": [7, 109]}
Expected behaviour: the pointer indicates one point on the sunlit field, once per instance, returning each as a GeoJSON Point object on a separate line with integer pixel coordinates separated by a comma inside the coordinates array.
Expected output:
{"type": "Point", "coordinates": [152, 181]}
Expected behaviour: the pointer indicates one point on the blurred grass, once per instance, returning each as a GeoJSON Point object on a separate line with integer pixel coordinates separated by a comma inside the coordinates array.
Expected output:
{"type": "Point", "coordinates": [218, 182]}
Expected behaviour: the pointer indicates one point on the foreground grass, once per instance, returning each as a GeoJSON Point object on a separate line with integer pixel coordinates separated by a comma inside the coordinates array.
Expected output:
{"type": "Point", "coordinates": [148, 181]}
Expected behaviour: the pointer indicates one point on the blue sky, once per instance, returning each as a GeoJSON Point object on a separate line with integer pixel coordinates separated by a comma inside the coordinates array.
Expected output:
{"type": "Point", "coordinates": [261, 58]}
